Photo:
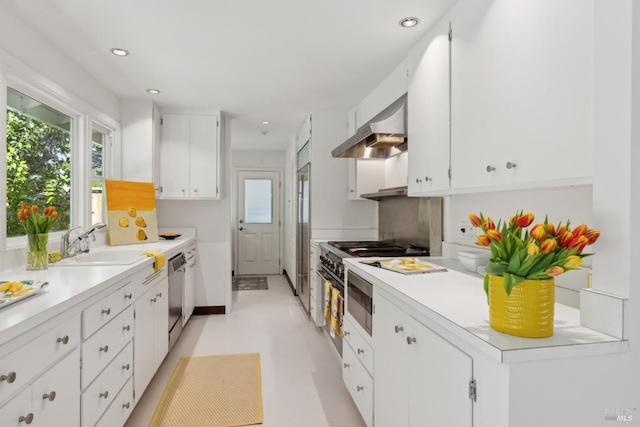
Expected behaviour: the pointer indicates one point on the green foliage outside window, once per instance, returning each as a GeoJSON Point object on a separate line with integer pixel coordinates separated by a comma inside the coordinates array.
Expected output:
{"type": "Point", "coordinates": [38, 169]}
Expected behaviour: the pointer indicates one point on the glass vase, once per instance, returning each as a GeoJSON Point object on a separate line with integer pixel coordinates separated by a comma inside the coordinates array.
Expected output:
{"type": "Point", "coordinates": [37, 251]}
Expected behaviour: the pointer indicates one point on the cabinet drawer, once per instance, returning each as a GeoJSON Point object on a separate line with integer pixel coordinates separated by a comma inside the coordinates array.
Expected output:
{"type": "Point", "coordinates": [56, 394]}
{"type": "Point", "coordinates": [105, 310]}
{"type": "Point", "coordinates": [120, 408]}
{"type": "Point", "coordinates": [359, 384]}
{"type": "Point", "coordinates": [105, 344]}
{"type": "Point", "coordinates": [144, 279]}
{"type": "Point", "coordinates": [17, 408]}
{"type": "Point", "coordinates": [99, 395]}
{"type": "Point", "coordinates": [31, 359]}
{"type": "Point", "coordinates": [361, 348]}
{"type": "Point", "coordinates": [190, 251]}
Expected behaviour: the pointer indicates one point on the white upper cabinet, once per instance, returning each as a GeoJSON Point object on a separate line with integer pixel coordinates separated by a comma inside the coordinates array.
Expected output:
{"type": "Point", "coordinates": [190, 156]}
{"type": "Point", "coordinates": [428, 114]}
{"type": "Point", "coordinates": [140, 141]}
{"type": "Point", "coordinates": [304, 134]}
{"type": "Point", "coordinates": [522, 94]}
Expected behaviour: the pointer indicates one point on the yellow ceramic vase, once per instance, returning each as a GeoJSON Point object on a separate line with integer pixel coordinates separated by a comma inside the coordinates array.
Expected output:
{"type": "Point", "coordinates": [526, 312]}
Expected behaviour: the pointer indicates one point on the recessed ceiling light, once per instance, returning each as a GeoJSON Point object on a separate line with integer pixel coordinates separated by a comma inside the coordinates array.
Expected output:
{"type": "Point", "coordinates": [409, 22]}
{"type": "Point", "coordinates": [120, 52]}
{"type": "Point", "coordinates": [153, 91]}
{"type": "Point", "coordinates": [266, 122]}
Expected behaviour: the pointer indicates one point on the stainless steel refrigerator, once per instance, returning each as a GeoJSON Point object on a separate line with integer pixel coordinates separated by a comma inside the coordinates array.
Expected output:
{"type": "Point", "coordinates": [302, 236]}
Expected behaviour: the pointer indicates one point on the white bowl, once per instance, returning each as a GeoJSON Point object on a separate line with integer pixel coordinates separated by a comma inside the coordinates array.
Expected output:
{"type": "Point", "coordinates": [471, 260]}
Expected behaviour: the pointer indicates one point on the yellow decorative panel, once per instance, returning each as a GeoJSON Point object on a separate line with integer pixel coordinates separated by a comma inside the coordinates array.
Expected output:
{"type": "Point", "coordinates": [131, 212]}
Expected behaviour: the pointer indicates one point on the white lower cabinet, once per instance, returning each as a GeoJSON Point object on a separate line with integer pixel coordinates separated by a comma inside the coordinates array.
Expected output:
{"type": "Point", "coordinates": [420, 378]}
{"type": "Point", "coordinates": [357, 368]}
{"type": "Point", "coordinates": [189, 293]}
{"type": "Point", "coordinates": [120, 408]}
{"type": "Point", "coordinates": [102, 392]}
{"type": "Point", "coordinates": [151, 342]}
{"type": "Point", "coordinates": [53, 399]}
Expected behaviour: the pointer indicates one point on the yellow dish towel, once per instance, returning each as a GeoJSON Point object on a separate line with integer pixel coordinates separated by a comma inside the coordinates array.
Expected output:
{"type": "Point", "coordinates": [160, 259]}
{"type": "Point", "coordinates": [327, 302]}
{"type": "Point", "coordinates": [334, 326]}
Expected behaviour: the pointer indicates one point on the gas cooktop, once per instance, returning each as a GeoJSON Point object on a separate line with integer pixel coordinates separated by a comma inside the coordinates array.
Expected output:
{"type": "Point", "coordinates": [377, 249]}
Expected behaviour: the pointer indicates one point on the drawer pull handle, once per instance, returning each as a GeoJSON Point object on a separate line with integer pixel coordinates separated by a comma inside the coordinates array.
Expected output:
{"type": "Point", "coordinates": [126, 405]}
{"type": "Point", "coordinates": [128, 296]}
{"type": "Point", "coordinates": [126, 328]}
{"type": "Point", "coordinates": [51, 396]}
{"type": "Point", "coordinates": [360, 388]}
{"type": "Point", "coordinates": [360, 351]}
{"type": "Point", "coordinates": [105, 394]}
{"type": "Point", "coordinates": [159, 295]}
{"type": "Point", "coordinates": [64, 339]}
{"type": "Point", "coordinates": [490, 168]}
{"type": "Point", "coordinates": [105, 348]}
{"type": "Point", "coordinates": [410, 340]}
{"type": "Point", "coordinates": [27, 420]}
{"type": "Point", "coordinates": [126, 367]}
{"type": "Point", "coordinates": [345, 333]}
{"type": "Point", "coordinates": [346, 365]}
{"type": "Point", "coordinates": [398, 329]}
{"type": "Point", "coordinates": [107, 311]}
{"type": "Point", "coordinates": [154, 299]}
{"type": "Point", "coordinates": [510, 165]}
{"type": "Point", "coordinates": [10, 377]}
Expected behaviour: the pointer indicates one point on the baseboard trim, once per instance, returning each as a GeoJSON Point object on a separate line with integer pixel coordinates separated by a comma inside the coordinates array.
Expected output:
{"type": "Point", "coordinates": [286, 276]}
{"type": "Point", "coordinates": [212, 309]}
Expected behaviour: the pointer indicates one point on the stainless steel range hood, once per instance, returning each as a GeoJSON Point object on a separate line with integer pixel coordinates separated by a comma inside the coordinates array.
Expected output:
{"type": "Point", "coordinates": [386, 192]}
{"type": "Point", "coordinates": [383, 136]}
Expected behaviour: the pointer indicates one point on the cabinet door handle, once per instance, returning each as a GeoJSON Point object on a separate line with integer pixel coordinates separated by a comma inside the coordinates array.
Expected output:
{"type": "Point", "coordinates": [126, 367]}
{"type": "Point", "coordinates": [10, 377]}
{"type": "Point", "coordinates": [126, 405]}
{"type": "Point", "coordinates": [107, 311]}
{"type": "Point", "coordinates": [159, 295]}
{"type": "Point", "coordinates": [410, 340]}
{"type": "Point", "coordinates": [105, 394]}
{"type": "Point", "coordinates": [345, 333]}
{"type": "Point", "coordinates": [398, 329]}
{"type": "Point", "coordinates": [360, 351]}
{"type": "Point", "coordinates": [64, 339]}
{"type": "Point", "coordinates": [105, 348]}
{"type": "Point", "coordinates": [27, 420]}
{"type": "Point", "coordinates": [490, 168]}
{"type": "Point", "coordinates": [418, 180]}
{"type": "Point", "coordinates": [154, 299]}
{"type": "Point", "coordinates": [50, 396]}
{"type": "Point", "coordinates": [510, 165]}
{"type": "Point", "coordinates": [128, 296]}
{"type": "Point", "coordinates": [427, 179]}
{"type": "Point", "coordinates": [346, 365]}
{"type": "Point", "coordinates": [360, 388]}
{"type": "Point", "coordinates": [126, 328]}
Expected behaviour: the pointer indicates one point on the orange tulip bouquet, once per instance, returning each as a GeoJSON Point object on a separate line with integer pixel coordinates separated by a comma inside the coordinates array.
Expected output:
{"type": "Point", "coordinates": [540, 253]}
{"type": "Point", "coordinates": [37, 227]}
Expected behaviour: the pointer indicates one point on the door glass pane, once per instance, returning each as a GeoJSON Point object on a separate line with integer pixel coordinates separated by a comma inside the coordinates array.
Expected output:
{"type": "Point", "coordinates": [257, 201]}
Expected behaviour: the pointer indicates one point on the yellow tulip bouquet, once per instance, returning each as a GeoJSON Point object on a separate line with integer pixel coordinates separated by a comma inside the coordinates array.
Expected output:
{"type": "Point", "coordinates": [518, 253]}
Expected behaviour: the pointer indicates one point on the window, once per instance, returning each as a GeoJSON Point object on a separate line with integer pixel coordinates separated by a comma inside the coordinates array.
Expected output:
{"type": "Point", "coordinates": [100, 143]}
{"type": "Point", "coordinates": [257, 201]}
{"type": "Point", "coordinates": [39, 161]}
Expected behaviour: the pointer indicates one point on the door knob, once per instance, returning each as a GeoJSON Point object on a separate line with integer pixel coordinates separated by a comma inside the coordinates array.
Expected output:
{"type": "Point", "coordinates": [241, 228]}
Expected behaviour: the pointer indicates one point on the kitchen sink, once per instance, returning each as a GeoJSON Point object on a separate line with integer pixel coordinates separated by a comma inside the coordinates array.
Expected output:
{"type": "Point", "coordinates": [104, 257]}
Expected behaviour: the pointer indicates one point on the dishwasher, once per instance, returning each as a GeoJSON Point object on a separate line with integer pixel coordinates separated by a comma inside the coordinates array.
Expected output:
{"type": "Point", "coordinates": [176, 285]}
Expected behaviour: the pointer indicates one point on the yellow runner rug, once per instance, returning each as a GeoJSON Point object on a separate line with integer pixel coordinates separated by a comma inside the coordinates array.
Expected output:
{"type": "Point", "coordinates": [212, 391]}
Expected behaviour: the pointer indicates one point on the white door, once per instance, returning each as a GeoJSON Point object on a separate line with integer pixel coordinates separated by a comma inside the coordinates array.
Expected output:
{"type": "Point", "coordinates": [258, 227]}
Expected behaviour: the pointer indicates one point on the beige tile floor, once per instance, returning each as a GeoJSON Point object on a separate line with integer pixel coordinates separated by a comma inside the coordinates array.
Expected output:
{"type": "Point", "coordinates": [301, 371]}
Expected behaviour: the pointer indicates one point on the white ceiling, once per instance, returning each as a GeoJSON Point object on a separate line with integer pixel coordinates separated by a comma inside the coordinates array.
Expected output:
{"type": "Point", "coordinates": [256, 60]}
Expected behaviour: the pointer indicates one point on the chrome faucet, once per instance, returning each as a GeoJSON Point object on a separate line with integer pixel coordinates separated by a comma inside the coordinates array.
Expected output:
{"type": "Point", "coordinates": [66, 246]}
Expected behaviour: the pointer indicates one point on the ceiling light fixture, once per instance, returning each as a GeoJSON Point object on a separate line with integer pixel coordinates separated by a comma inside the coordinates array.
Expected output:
{"type": "Point", "coordinates": [153, 91]}
{"type": "Point", "coordinates": [409, 22]}
{"type": "Point", "coordinates": [266, 122]}
{"type": "Point", "coordinates": [120, 52]}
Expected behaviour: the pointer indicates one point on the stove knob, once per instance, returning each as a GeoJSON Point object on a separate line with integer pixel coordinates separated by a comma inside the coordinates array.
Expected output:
{"type": "Point", "coordinates": [342, 274]}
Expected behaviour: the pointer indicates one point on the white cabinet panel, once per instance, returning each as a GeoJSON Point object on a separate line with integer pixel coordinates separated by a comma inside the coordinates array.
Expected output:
{"type": "Point", "coordinates": [176, 133]}
{"type": "Point", "coordinates": [428, 113]}
{"type": "Point", "coordinates": [525, 99]}
{"type": "Point", "coordinates": [204, 153]}
{"type": "Point", "coordinates": [18, 410]}
{"type": "Point", "coordinates": [365, 176]}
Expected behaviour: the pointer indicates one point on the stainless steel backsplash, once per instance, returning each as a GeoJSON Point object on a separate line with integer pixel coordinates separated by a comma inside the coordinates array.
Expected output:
{"type": "Point", "coordinates": [412, 221]}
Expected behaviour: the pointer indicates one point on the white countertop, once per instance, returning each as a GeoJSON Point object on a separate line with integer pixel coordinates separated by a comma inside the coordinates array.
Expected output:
{"type": "Point", "coordinates": [69, 286]}
{"type": "Point", "coordinates": [457, 304]}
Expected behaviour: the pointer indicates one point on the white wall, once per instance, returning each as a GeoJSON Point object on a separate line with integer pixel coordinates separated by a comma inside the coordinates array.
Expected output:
{"type": "Point", "coordinates": [290, 198]}
{"type": "Point", "coordinates": [26, 47]}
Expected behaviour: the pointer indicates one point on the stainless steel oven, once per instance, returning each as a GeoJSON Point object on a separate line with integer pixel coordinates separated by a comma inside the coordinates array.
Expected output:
{"type": "Point", "coordinates": [360, 301]}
